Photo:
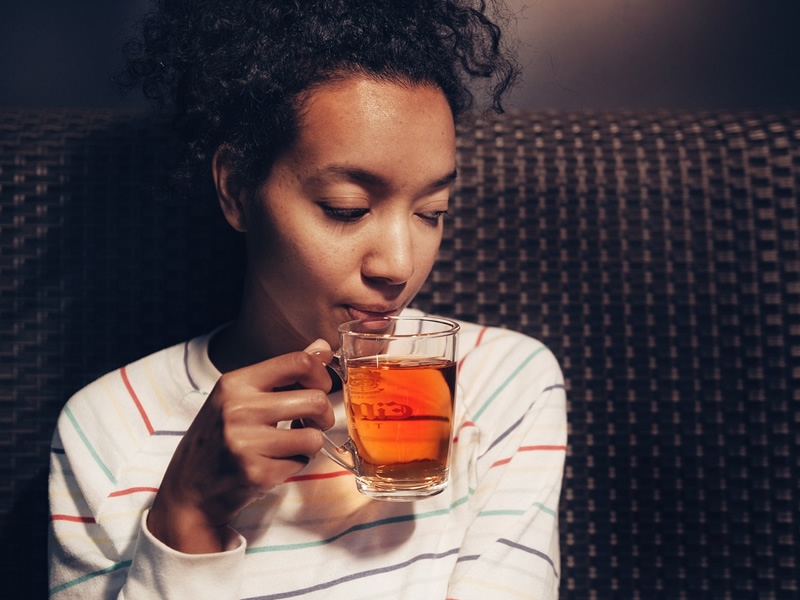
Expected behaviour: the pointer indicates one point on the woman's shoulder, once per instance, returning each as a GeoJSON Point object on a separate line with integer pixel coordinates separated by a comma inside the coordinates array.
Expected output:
{"type": "Point", "coordinates": [473, 335]}
{"type": "Point", "coordinates": [498, 344]}
{"type": "Point", "coordinates": [503, 353]}
{"type": "Point", "coordinates": [172, 371]}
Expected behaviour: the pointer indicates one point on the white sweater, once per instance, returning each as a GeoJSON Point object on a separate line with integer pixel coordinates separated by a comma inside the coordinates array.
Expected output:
{"type": "Point", "coordinates": [492, 534]}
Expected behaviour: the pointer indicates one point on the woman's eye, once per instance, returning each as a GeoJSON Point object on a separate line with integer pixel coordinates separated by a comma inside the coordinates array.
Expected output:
{"type": "Point", "coordinates": [434, 218]}
{"type": "Point", "coordinates": [345, 214]}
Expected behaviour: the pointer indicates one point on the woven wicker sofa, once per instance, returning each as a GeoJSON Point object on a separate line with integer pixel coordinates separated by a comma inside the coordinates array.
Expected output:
{"type": "Point", "coordinates": [656, 253]}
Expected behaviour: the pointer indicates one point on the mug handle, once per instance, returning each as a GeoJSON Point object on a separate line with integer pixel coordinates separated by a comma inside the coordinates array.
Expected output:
{"type": "Point", "coordinates": [343, 455]}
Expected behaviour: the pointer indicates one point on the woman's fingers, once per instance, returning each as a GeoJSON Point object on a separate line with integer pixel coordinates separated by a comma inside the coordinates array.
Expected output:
{"type": "Point", "coordinates": [295, 368]}
{"type": "Point", "coordinates": [264, 441]}
{"type": "Point", "coordinates": [271, 408]}
{"type": "Point", "coordinates": [268, 460]}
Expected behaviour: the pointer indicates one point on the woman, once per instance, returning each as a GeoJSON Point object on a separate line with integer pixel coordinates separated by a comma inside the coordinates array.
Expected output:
{"type": "Point", "coordinates": [328, 132]}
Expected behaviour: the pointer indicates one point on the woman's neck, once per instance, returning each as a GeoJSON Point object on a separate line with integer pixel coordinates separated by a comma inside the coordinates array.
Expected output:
{"type": "Point", "coordinates": [258, 333]}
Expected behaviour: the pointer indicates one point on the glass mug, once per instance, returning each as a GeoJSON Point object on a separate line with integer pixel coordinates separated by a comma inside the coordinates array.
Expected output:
{"type": "Point", "coordinates": [399, 380]}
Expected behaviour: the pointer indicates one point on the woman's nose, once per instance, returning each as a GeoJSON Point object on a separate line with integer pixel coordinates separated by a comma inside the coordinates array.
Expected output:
{"type": "Point", "coordinates": [390, 257]}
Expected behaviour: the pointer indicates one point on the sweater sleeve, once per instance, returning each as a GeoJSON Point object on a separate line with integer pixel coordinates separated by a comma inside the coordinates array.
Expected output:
{"type": "Point", "coordinates": [517, 428]}
{"type": "Point", "coordinates": [158, 571]}
{"type": "Point", "coordinates": [108, 455]}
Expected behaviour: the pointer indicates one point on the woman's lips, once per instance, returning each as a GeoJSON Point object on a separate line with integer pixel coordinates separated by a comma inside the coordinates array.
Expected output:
{"type": "Point", "coordinates": [371, 312]}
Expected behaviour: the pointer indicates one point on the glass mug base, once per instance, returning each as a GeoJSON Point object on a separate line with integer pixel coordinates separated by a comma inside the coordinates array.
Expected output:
{"type": "Point", "coordinates": [383, 488]}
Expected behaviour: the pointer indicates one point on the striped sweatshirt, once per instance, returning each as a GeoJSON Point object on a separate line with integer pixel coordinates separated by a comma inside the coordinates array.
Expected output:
{"type": "Point", "coordinates": [492, 534]}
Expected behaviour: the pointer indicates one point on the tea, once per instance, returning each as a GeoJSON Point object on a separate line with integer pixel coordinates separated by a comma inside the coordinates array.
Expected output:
{"type": "Point", "coordinates": [400, 411]}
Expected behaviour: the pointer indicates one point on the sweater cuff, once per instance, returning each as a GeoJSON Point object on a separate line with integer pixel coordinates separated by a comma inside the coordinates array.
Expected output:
{"type": "Point", "coordinates": [158, 571]}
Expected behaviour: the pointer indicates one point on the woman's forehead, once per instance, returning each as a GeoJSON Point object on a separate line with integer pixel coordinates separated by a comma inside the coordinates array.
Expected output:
{"type": "Point", "coordinates": [370, 131]}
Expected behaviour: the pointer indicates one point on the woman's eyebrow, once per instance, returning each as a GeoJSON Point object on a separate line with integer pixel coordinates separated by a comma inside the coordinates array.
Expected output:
{"type": "Point", "coordinates": [445, 181]}
{"type": "Point", "coordinates": [362, 176]}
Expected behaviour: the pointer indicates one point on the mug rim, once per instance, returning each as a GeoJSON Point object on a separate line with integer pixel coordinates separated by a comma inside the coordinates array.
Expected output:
{"type": "Point", "coordinates": [452, 328]}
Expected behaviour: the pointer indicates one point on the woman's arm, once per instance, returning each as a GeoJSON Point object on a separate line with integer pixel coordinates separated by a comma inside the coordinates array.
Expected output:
{"type": "Point", "coordinates": [103, 542]}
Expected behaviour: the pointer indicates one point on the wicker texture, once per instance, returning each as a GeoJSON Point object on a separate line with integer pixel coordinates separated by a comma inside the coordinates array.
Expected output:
{"type": "Point", "coordinates": [657, 254]}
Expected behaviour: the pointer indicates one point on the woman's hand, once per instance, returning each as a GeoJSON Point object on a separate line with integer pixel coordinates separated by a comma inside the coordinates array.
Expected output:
{"type": "Point", "coordinates": [233, 453]}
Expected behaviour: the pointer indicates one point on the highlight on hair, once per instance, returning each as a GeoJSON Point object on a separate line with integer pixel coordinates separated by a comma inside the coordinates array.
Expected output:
{"type": "Point", "coordinates": [234, 72]}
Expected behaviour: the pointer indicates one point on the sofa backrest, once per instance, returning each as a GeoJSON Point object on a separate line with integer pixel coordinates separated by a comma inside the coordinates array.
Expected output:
{"type": "Point", "coordinates": [656, 253]}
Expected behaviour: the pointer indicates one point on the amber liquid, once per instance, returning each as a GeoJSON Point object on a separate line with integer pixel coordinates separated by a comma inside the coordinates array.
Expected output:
{"type": "Point", "coordinates": [400, 414]}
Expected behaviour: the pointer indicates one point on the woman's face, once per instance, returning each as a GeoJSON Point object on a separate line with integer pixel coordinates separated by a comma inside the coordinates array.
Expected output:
{"type": "Point", "coordinates": [349, 221]}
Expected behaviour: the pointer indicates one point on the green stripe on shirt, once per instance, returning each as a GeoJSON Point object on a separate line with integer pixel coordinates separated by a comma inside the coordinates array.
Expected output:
{"type": "Point", "coordinates": [89, 446]}
{"type": "Point", "coordinates": [505, 383]}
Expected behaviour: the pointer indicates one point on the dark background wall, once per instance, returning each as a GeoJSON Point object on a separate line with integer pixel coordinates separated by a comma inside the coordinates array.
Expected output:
{"type": "Point", "coordinates": [577, 53]}
{"type": "Point", "coordinates": [60, 53]}
{"type": "Point", "coordinates": [660, 53]}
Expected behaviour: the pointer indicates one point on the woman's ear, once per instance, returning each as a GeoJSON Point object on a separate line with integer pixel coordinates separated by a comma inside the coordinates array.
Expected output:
{"type": "Point", "coordinates": [231, 194]}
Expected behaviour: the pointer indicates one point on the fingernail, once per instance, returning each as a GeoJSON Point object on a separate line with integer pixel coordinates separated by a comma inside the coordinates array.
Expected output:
{"type": "Point", "coordinates": [317, 345]}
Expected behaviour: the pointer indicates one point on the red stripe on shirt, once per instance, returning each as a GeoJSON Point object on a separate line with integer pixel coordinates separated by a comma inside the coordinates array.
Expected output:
{"type": "Point", "coordinates": [313, 476]}
{"type": "Point", "coordinates": [504, 461]}
{"type": "Point", "coordinates": [138, 404]}
{"type": "Point", "coordinates": [74, 518]}
{"type": "Point", "coordinates": [477, 343]}
{"type": "Point", "coordinates": [132, 490]}
{"type": "Point", "coordinates": [530, 448]}
{"type": "Point", "coordinates": [463, 425]}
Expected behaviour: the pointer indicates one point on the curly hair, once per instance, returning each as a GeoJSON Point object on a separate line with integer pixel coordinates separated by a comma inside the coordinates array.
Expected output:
{"type": "Point", "coordinates": [235, 72]}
